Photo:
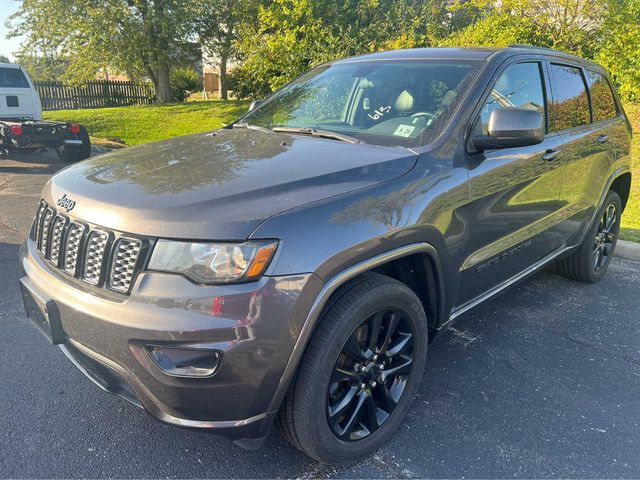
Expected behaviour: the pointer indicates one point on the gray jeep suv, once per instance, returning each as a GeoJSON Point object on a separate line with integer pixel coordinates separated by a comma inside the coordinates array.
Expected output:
{"type": "Point", "coordinates": [294, 266]}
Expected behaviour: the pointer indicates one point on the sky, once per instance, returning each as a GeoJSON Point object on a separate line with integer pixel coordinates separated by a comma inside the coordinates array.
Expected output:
{"type": "Point", "coordinates": [7, 47]}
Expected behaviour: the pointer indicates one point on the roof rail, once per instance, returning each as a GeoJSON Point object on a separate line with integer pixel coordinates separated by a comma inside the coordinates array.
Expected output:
{"type": "Point", "coordinates": [519, 45]}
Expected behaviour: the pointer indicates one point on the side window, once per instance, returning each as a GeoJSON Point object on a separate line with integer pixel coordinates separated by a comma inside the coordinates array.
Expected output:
{"type": "Point", "coordinates": [570, 102]}
{"type": "Point", "coordinates": [603, 106]}
{"type": "Point", "coordinates": [520, 85]}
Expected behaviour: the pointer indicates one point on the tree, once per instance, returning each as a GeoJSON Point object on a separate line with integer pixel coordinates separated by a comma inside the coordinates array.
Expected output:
{"type": "Point", "coordinates": [287, 40]}
{"type": "Point", "coordinates": [218, 26]}
{"type": "Point", "coordinates": [290, 36]}
{"type": "Point", "coordinates": [42, 67]}
{"type": "Point", "coordinates": [4, 59]}
{"type": "Point", "coordinates": [570, 25]}
{"type": "Point", "coordinates": [141, 37]}
{"type": "Point", "coordinates": [607, 31]}
{"type": "Point", "coordinates": [620, 49]}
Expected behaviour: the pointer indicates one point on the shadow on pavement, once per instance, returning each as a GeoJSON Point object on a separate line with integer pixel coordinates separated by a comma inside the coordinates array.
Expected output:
{"type": "Point", "coordinates": [31, 163]}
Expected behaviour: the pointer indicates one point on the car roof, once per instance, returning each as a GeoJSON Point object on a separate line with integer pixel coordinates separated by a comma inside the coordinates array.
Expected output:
{"type": "Point", "coordinates": [476, 53]}
{"type": "Point", "coordinates": [9, 65]}
{"type": "Point", "coordinates": [466, 53]}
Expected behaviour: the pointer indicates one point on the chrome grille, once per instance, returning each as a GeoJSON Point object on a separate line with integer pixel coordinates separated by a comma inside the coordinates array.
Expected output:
{"type": "Point", "coordinates": [41, 209]}
{"type": "Point", "coordinates": [97, 256]}
{"type": "Point", "coordinates": [123, 264]}
{"type": "Point", "coordinates": [72, 247]}
{"type": "Point", "coordinates": [45, 227]}
{"type": "Point", "coordinates": [94, 258]}
{"type": "Point", "coordinates": [56, 239]}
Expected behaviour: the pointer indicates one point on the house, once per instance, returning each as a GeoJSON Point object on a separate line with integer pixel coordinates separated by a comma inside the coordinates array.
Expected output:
{"type": "Point", "coordinates": [211, 71]}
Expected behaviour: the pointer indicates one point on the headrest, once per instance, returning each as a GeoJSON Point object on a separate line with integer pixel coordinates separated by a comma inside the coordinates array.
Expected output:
{"type": "Point", "coordinates": [448, 98]}
{"type": "Point", "coordinates": [404, 102]}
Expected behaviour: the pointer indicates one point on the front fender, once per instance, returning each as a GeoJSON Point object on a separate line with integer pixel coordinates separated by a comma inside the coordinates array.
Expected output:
{"type": "Point", "coordinates": [329, 288]}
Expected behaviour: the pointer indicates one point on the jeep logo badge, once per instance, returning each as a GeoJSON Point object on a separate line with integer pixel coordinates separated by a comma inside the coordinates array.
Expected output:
{"type": "Point", "coordinates": [66, 203]}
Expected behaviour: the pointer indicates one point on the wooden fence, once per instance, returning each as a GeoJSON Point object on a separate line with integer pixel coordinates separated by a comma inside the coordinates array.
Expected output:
{"type": "Point", "coordinates": [95, 94]}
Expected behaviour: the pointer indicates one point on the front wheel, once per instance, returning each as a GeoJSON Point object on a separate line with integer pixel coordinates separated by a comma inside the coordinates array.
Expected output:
{"type": "Point", "coordinates": [590, 262]}
{"type": "Point", "coordinates": [359, 373]}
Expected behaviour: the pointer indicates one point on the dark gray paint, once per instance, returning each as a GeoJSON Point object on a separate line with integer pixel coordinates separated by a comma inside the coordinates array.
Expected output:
{"type": "Point", "coordinates": [332, 206]}
{"type": "Point", "coordinates": [219, 185]}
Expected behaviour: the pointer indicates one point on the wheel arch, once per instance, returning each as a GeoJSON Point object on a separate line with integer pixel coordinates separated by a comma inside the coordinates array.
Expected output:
{"type": "Point", "coordinates": [619, 181]}
{"type": "Point", "coordinates": [420, 257]}
{"type": "Point", "coordinates": [622, 186]}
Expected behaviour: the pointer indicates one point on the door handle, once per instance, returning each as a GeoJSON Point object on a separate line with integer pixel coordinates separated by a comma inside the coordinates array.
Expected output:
{"type": "Point", "coordinates": [550, 155]}
{"type": "Point", "coordinates": [602, 138]}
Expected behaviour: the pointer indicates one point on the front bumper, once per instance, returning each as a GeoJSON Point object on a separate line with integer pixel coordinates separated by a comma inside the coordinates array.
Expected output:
{"type": "Point", "coordinates": [255, 332]}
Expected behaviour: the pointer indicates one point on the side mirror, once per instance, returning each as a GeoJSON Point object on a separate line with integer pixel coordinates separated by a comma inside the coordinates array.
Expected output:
{"type": "Point", "coordinates": [512, 127]}
{"type": "Point", "coordinates": [254, 104]}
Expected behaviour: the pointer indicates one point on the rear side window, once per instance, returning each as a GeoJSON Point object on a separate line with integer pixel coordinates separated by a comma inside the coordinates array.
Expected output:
{"type": "Point", "coordinates": [570, 102]}
{"type": "Point", "coordinates": [603, 106]}
{"type": "Point", "coordinates": [12, 78]}
{"type": "Point", "coordinates": [520, 85]}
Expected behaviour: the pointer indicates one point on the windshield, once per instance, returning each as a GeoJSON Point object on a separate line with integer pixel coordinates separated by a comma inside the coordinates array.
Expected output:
{"type": "Point", "coordinates": [13, 78]}
{"type": "Point", "coordinates": [406, 103]}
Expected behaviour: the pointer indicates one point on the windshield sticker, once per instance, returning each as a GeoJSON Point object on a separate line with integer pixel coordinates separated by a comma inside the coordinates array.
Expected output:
{"type": "Point", "coordinates": [379, 113]}
{"type": "Point", "coordinates": [404, 131]}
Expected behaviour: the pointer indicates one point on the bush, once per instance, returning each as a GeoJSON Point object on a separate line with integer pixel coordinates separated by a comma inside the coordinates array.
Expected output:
{"type": "Point", "coordinates": [246, 85]}
{"type": "Point", "coordinates": [184, 81]}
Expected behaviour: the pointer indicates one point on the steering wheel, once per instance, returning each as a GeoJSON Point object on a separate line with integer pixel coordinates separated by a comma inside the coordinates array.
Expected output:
{"type": "Point", "coordinates": [423, 114]}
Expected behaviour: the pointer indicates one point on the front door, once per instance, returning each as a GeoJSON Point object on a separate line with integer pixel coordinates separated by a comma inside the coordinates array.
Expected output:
{"type": "Point", "coordinates": [514, 212]}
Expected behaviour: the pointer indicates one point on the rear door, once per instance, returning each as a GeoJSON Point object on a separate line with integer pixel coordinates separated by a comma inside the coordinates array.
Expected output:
{"type": "Point", "coordinates": [585, 114]}
{"type": "Point", "coordinates": [514, 211]}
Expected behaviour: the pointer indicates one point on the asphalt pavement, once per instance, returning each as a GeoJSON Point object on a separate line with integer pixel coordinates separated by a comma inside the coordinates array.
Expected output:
{"type": "Point", "coordinates": [543, 381]}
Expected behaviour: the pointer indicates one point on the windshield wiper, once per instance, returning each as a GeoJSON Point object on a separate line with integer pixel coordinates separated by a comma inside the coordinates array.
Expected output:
{"type": "Point", "coordinates": [318, 133]}
{"type": "Point", "coordinates": [251, 127]}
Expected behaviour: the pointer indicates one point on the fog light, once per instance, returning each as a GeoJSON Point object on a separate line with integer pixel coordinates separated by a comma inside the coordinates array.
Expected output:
{"type": "Point", "coordinates": [184, 362]}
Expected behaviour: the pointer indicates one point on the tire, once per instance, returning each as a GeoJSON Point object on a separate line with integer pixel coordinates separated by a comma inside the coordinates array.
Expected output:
{"type": "Point", "coordinates": [72, 154]}
{"type": "Point", "coordinates": [84, 151]}
{"type": "Point", "coordinates": [68, 154]}
{"type": "Point", "coordinates": [585, 265]}
{"type": "Point", "coordinates": [305, 417]}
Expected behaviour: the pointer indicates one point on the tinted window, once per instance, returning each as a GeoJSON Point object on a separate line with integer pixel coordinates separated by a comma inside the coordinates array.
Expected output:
{"type": "Point", "coordinates": [570, 102]}
{"type": "Point", "coordinates": [519, 85]}
{"type": "Point", "coordinates": [603, 105]}
{"type": "Point", "coordinates": [404, 102]}
{"type": "Point", "coordinates": [13, 78]}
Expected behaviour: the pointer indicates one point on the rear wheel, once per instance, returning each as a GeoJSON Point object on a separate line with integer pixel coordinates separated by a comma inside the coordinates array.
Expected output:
{"type": "Point", "coordinates": [590, 262]}
{"type": "Point", "coordinates": [68, 153]}
{"type": "Point", "coordinates": [85, 149]}
{"type": "Point", "coordinates": [72, 153]}
{"type": "Point", "coordinates": [359, 373]}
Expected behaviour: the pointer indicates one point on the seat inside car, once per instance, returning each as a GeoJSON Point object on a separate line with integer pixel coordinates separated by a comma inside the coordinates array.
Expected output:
{"type": "Point", "coordinates": [404, 104]}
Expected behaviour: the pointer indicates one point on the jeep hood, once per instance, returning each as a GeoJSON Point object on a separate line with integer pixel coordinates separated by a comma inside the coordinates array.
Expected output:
{"type": "Point", "coordinates": [219, 185]}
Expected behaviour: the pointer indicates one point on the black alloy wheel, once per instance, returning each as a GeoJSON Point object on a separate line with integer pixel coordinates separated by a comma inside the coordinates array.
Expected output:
{"type": "Point", "coordinates": [589, 262]}
{"type": "Point", "coordinates": [605, 238]}
{"type": "Point", "coordinates": [370, 375]}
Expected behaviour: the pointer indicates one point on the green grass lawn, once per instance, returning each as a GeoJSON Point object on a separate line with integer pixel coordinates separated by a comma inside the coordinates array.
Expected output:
{"type": "Point", "coordinates": [631, 219]}
{"type": "Point", "coordinates": [147, 123]}
{"type": "Point", "coordinates": [142, 124]}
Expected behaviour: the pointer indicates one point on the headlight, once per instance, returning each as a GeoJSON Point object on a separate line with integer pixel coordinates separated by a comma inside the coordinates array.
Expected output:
{"type": "Point", "coordinates": [214, 262]}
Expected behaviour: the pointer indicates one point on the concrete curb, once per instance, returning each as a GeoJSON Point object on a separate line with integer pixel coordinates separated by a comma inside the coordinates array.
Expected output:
{"type": "Point", "coordinates": [628, 250]}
